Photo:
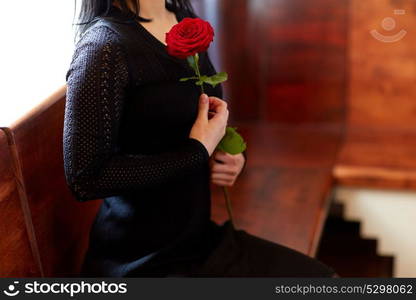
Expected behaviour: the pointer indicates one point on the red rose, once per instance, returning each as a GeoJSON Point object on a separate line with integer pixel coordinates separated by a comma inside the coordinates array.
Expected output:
{"type": "Point", "coordinates": [189, 37]}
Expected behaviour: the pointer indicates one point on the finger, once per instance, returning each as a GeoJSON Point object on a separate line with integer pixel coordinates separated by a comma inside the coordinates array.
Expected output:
{"type": "Point", "coordinates": [221, 113]}
{"type": "Point", "coordinates": [223, 169]}
{"type": "Point", "coordinates": [223, 183]}
{"type": "Point", "coordinates": [217, 100]}
{"type": "Point", "coordinates": [214, 102]}
{"type": "Point", "coordinates": [222, 176]}
{"type": "Point", "coordinates": [217, 157]}
{"type": "Point", "coordinates": [217, 104]}
{"type": "Point", "coordinates": [213, 105]}
{"type": "Point", "coordinates": [203, 107]}
{"type": "Point", "coordinates": [211, 162]}
{"type": "Point", "coordinates": [225, 157]}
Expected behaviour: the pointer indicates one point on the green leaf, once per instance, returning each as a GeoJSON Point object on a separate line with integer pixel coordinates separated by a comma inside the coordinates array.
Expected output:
{"type": "Point", "coordinates": [188, 78]}
{"type": "Point", "coordinates": [232, 142]}
{"type": "Point", "coordinates": [215, 79]}
{"type": "Point", "coordinates": [193, 62]}
{"type": "Point", "coordinates": [204, 78]}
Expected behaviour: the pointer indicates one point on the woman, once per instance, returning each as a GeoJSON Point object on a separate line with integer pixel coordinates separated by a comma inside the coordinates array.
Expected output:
{"type": "Point", "coordinates": [140, 139]}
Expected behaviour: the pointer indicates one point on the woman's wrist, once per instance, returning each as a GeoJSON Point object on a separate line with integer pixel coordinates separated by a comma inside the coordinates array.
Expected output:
{"type": "Point", "coordinates": [201, 146]}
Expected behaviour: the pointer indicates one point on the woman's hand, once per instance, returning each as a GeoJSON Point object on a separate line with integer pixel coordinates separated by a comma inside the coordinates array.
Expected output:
{"type": "Point", "coordinates": [225, 168]}
{"type": "Point", "coordinates": [211, 122]}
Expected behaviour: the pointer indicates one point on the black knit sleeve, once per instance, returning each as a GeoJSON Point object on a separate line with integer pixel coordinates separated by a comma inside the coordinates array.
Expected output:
{"type": "Point", "coordinates": [96, 88]}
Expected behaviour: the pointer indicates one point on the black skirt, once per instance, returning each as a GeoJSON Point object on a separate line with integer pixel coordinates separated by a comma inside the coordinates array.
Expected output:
{"type": "Point", "coordinates": [239, 254]}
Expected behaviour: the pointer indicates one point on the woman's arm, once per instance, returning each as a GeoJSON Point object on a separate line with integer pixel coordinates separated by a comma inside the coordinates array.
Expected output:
{"type": "Point", "coordinates": [96, 84]}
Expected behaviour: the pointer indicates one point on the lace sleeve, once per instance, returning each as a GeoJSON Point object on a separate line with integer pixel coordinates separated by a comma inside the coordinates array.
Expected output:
{"type": "Point", "coordinates": [96, 85]}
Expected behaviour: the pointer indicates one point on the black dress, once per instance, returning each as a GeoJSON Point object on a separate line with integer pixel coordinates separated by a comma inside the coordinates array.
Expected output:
{"type": "Point", "coordinates": [126, 140]}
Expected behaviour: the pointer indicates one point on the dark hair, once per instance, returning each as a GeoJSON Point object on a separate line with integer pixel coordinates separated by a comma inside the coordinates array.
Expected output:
{"type": "Point", "coordinates": [91, 9]}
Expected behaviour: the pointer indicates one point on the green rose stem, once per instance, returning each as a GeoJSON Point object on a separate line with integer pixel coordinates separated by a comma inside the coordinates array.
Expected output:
{"type": "Point", "coordinates": [198, 72]}
{"type": "Point", "coordinates": [228, 203]}
{"type": "Point", "coordinates": [224, 189]}
{"type": "Point", "coordinates": [232, 142]}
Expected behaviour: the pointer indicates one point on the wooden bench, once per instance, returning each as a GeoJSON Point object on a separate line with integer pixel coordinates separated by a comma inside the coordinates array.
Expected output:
{"type": "Point", "coordinates": [283, 194]}
{"type": "Point", "coordinates": [374, 158]}
{"type": "Point", "coordinates": [60, 224]}
{"type": "Point", "coordinates": [16, 256]}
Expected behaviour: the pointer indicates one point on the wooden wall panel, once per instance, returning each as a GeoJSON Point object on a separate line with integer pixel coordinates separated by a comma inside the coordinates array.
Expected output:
{"type": "Point", "coordinates": [16, 258]}
{"type": "Point", "coordinates": [61, 223]}
{"type": "Point", "coordinates": [286, 59]}
{"type": "Point", "coordinates": [240, 47]}
{"type": "Point", "coordinates": [382, 82]}
{"type": "Point", "coordinates": [306, 60]}
{"type": "Point", "coordinates": [379, 147]}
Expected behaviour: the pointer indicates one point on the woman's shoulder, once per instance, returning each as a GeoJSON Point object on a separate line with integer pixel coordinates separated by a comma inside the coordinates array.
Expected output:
{"type": "Point", "coordinates": [98, 35]}
{"type": "Point", "coordinates": [99, 40]}
{"type": "Point", "coordinates": [104, 29]}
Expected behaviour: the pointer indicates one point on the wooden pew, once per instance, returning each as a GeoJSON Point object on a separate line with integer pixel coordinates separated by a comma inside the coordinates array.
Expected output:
{"type": "Point", "coordinates": [61, 224]}
{"type": "Point", "coordinates": [17, 258]}
{"type": "Point", "coordinates": [283, 194]}
{"type": "Point", "coordinates": [374, 158]}
{"type": "Point", "coordinates": [380, 143]}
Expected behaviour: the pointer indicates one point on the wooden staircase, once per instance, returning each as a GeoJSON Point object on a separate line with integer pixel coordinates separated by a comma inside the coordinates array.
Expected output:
{"type": "Point", "coordinates": [347, 252]}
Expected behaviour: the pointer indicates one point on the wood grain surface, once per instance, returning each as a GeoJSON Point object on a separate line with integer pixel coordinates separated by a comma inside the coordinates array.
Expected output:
{"type": "Point", "coordinates": [16, 256]}
{"type": "Point", "coordinates": [60, 222]}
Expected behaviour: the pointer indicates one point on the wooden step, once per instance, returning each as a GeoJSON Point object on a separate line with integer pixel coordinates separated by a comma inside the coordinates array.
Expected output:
{"type": "Point", "coordinates": [336, 210]}
{"type": "Point", "coordinates": [343, 249]}
{"type": "Point", "coordinates": [360, 266]}
{"type": "Point", "coordinates": [339, 226]}
{"type": "Point", "coordinates": [346, 245]}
